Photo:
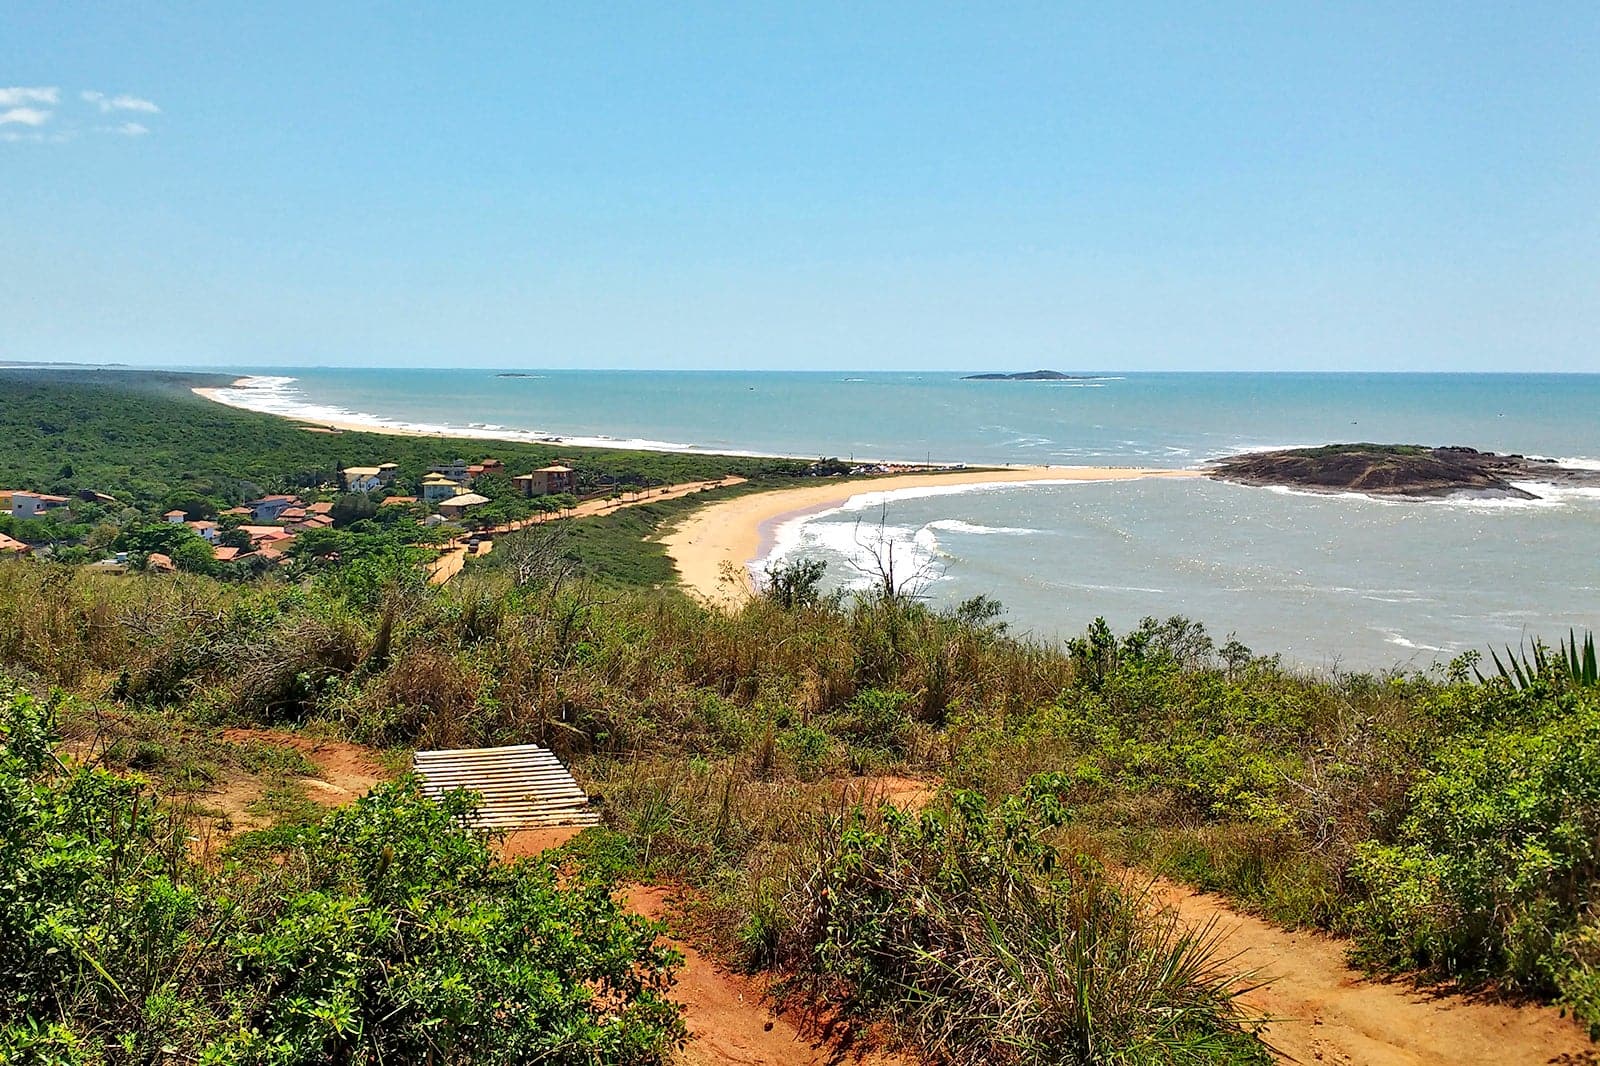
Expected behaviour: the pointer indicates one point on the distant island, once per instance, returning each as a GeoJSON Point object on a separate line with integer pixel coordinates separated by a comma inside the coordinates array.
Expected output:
{"type": "Point", "coordinates": [1410, 470]}
{"type": "Point", "coordinates": [1026, 375]}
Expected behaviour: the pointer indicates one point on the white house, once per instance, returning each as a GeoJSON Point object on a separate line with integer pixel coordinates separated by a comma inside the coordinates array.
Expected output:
{"type": "Point", "coordinates": [362, 478]}
{"type": "Point", "coordinates": [268, 508]}
{"type": "Point", "coordinates": [437, 488]}
{"type": "Point", "coordinates": [34, 504]}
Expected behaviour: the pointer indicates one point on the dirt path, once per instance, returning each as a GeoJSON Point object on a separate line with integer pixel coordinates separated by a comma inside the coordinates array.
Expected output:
{"type": "Point", "coordinates": [731, 1021]}
{"type": "Point", "coordinates": [1322, 1011]}
{"type": "Point", "coordinates": [1328, 1013]}
{"type": "Point", "coordinates": [345, 771]}
{"type": "Point", "coordinates": [454, 557]}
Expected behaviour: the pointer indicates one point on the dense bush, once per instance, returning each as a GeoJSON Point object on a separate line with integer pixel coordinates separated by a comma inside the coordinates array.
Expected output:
{"type": "Point", "coordinates": [147, 440]}
{"type": "Point", "coordinates": [1495, 870]}
{"type": "Point", "coordinates": [385, 934]}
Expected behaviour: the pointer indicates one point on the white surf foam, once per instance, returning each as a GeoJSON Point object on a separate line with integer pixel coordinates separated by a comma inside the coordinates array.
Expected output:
{"type": "Point", "coordinates": [1400, 641]}
{"type": "Point", "coordinates": [275, 395]}
{"type": "Point", "coordinates": [867, 549]}
{"type": "Point", "coordinates": [864, 500]}
{"type": "Point", "coordinates": [956, 525]}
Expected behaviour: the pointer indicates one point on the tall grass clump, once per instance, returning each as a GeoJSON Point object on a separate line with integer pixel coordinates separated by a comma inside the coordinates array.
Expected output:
{"type": "Point", "coordinates": [962, 927]}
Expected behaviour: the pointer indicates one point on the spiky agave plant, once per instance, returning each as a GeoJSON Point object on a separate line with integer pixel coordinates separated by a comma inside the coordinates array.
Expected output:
{"type": "Point", "coordinates": [1580, 667]}
{"type": "Point", "coordinates": [1572, 663]}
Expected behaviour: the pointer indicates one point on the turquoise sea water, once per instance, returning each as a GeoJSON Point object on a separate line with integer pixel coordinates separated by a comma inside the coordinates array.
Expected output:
{"type": "Point", "coordinates": [1325, 579]}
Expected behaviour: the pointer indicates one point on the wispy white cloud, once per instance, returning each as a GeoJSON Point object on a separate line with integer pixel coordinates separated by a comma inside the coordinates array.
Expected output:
{"type": "Point", "coordinates": [18, 95]}
{"type": "Point", "coordinates": [37, 136]}
{"type": "Point", "coordinates": [33, 114]}
{"type": "Point", "coordinates": [24, 116]}
{"type": "Point", "coordinates": [120, 102]}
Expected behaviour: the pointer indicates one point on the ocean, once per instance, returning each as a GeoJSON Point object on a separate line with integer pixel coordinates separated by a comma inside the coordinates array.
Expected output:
{"type": "Point", "coordinates": [1340, 581]}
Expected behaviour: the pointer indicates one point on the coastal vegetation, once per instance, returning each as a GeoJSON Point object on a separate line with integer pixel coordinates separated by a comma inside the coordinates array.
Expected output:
{"type": "Point", "coordinates": [1444, 823]}
{"type": "Point", "coordinates": [144, 439]}
{"type": "Point", "coordinates": [385, 932]}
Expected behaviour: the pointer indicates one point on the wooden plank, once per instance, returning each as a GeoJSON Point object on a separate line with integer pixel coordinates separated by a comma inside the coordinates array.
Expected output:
{"type": "Point", "coordinates": [520, 785]}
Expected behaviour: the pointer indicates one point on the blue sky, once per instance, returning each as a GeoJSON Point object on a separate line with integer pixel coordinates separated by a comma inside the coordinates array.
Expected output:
{"type": "Point", "coordinates": [1376, 186]}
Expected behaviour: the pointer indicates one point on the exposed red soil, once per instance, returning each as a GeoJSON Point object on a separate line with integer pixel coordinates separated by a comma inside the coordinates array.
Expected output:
{"type": "Point", "coordinates": [524, 843]}
{"type": "Point", "coordinates": [1321, 1010]}
{"type": "Point", "coordinates": [905, 792]}
{"type": "Point", "coordinates": [345, 771]}
{"type": "Point", "coordinates": [732, 1020]}
{"type": "Point", "coordinates": [1325, 1012]}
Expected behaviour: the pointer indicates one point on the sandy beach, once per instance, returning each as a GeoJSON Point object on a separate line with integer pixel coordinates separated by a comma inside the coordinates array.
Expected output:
{"type": "Point", "coordinates": [323, 425]}
{"type": "Point", "coordinates": [714, 546]}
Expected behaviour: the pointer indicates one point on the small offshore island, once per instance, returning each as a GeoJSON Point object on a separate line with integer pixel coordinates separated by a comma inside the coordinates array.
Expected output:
{"type": "Point", "coordinates": [1026, 375]}
{"type": "Point", "coordinates": [1408, 470]}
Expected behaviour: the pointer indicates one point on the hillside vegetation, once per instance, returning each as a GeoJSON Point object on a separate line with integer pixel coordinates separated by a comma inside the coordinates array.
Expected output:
{"type": "Point", "coordinates": [1447, 824]}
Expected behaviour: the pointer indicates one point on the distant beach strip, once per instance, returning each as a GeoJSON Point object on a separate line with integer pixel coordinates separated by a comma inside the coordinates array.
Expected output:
{"type": "Point", "coordinates": [715, 546]}
{"type": "Point", "coordinates": [276, 395]}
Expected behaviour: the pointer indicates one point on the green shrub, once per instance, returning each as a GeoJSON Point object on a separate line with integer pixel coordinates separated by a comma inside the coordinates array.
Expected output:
{"type": "Point", "coordinates": [1495, 872]}
{"type": "Point", "coordinates": [387, 933]}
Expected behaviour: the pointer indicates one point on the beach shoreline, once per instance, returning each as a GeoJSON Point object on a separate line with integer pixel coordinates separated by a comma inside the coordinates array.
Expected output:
{"type": "Point", "coordinates": [714, 546]}
{"type": "Point", "coordinates": [320, 423]}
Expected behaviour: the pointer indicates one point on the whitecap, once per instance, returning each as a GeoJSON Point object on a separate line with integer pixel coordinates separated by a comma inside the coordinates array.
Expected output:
{"type": "Point", "coordinates": [1553, 492]}
{"type": "Point", "coordinates": [865, 548]}
{"type": "Point", "coordinates": [956, 525]}
{"type": "Point", "coordinates": [864, 500]}
{"type": "Point", "coordinates": [1396, 638]}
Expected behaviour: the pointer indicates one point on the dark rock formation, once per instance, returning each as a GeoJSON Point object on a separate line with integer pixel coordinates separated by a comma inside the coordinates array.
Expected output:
{"type": "Point", "coordinates": [1399, 470]}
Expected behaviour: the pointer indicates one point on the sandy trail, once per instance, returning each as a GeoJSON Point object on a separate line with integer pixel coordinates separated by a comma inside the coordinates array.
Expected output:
{"type": "Point", "coordinates": [1325, 1012]}
{"type": "Point", "coordinates": [713, 547]}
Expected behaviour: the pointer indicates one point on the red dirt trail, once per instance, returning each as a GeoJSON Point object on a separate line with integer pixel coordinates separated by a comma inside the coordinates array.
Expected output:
{"type": "Point", "coordinates": [1321, 1010]}
{"type": "Point", "coordinates": [345, 771]}
{"type": "Point", "coordinates": [731, 1021]}
{"type": "Point", "coordinates": [1325, 1012]}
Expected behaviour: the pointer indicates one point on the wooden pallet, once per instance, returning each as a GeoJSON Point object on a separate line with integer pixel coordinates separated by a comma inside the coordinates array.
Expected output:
{"type": "Point", "coordinates": [523, 786]}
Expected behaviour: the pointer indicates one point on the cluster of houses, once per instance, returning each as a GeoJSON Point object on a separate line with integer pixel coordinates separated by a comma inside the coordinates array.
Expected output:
{"type": "Point", "coordinates": [273, 522]}
{"type": "Point", "coordinates": [448, 486]}
{"type": "Point", "coordinates": [290, 516]}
